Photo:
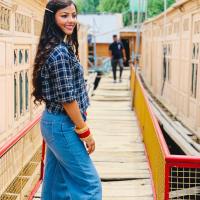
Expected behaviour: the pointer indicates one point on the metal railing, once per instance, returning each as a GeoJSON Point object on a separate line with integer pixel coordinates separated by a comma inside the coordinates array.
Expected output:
{"type": "Point", "coordinates": [174, 176]}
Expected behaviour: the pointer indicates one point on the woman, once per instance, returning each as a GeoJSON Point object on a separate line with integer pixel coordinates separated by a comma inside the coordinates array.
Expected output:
{"type": "Point", "coordinates": [58, 82]}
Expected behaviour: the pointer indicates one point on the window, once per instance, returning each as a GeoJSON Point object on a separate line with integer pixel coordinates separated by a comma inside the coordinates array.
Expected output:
{"type": "Point", "coordinates": [168, 69]}
{"type": "Point", "coordinates": [26, 90]}
{"type": "Point", "coordinates": [15, 56]}
{"type": "Point", "coordinates": [164, 62]}
{"type": "Point", "coordinates": [26, 56]}
{"type": "Point", "coordinates": [197, 51]}
{"type": "Point", "coordinates": [167, 53]}
{"type": "Point", "coordinates": [21, 92]}
{"type": "Point", "coordinates": [194, 71]}
{"type": "Point", "coordinates": [15, 95]}
{"type": "Point", "coordinates": [21, 81]}
{"type": "Point", "coordinates": [194, 80]}
{"type": "Point", "coordinates": [20, 56]}
{"type": "Point", "coordinates": [193, 51]}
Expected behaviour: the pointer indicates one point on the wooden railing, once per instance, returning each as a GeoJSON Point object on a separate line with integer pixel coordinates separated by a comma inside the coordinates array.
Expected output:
{"type": "Point", "coordinates": [21, 163]}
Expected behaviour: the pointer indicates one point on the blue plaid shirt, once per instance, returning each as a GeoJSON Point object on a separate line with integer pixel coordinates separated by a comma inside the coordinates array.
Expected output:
{"type": "Point", "coordinates": [62, 80]}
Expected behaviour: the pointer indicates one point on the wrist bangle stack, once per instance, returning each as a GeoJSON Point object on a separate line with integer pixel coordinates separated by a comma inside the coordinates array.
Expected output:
{"type": "Point", "coordinates": [83, 132]}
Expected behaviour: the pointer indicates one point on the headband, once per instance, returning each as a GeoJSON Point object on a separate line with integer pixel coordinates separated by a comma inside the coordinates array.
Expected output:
{"type": "Point", "coordinates": [49, 10]}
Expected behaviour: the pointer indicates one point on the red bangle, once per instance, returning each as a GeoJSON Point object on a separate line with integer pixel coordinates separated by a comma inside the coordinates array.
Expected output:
{"type": "Point", "coordinates": [84, 134]}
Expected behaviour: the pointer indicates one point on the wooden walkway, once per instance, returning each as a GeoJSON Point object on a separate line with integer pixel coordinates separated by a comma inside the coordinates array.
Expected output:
{"type": "Point", "coordinates": [119, 156]}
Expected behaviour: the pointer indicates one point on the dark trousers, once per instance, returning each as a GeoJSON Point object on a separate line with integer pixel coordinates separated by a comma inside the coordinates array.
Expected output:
{"type": "Point", "coordinates": [114, 63]}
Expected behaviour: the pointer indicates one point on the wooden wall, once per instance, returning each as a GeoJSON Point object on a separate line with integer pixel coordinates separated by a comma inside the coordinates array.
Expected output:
{"type": "Point", "coordinates": [102, 50]}
{"type": "Point", "coordinates": [179, 37]}
{"type": "Point", "coordinates": [20, 26]}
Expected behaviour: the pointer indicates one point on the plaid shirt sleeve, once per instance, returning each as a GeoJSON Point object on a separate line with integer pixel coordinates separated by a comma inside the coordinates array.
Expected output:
{"type": "Point", "coordinates": [62, 77]}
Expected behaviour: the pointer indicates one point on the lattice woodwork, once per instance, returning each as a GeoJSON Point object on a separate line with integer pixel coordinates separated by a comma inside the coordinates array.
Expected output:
{"type": "Point", "coordinates": [22, 23]}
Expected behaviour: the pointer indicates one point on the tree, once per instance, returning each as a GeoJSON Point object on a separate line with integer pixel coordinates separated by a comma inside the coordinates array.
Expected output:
{"type": "Point", "coordinates": [87, 6]}
{"type": "Point", "coordinates": [116, 6]}
{"type": "Point", "coordinates": [155, 7]}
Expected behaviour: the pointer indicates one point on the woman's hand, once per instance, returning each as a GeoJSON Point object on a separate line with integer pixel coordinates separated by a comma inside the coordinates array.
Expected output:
{"type": "Point", "coordinates": [85, 135]}
{"type": "Point", "coordinates": [73, 111]}
{"type": "Point", "coordinates": [90, 143]}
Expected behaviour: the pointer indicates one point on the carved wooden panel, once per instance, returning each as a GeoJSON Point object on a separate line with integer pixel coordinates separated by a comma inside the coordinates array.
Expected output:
{"type": "Point", "coordinates": [197, 27]}
{"type": "Point", "coordinates": [22, 23]}
{"type": "Point", "coordinates": [4, 18]}
{"type": "Point", "coordinates": [176, 27]}
{"type": "Point", "coordinates": [37, 27]}
{"type": "Point", "coordinates": [170, 27]}
{"type": "Point", "coordinates": [186, 25]}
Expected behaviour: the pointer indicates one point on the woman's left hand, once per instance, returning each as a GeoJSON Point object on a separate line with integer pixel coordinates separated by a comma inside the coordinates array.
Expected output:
{"type": "Point", "coordinates": [90, 143]}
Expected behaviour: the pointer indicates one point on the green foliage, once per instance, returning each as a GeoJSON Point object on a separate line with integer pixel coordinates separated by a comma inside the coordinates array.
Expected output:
{"type": "Point", "coordinates": [116, 6]}
{"type": "Point", "coordinates": [87, 6]}
{"type": "Point", "coordinates": [155, 7]}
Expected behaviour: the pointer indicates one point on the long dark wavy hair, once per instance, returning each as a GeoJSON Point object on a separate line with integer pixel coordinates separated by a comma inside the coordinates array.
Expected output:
{"type": "Point", "coordinates": [51, 35]}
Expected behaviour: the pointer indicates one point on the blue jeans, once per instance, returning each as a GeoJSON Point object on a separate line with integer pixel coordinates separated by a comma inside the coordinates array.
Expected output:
{"type": "Point", "coordinates": [69, 171]}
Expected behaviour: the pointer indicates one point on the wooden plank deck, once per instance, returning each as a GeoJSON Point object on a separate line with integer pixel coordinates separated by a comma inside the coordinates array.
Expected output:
{"type": "Point", "coordinates": [119, 156]}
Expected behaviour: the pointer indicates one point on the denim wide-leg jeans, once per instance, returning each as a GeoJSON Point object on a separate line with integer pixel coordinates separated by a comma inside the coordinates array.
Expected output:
{"type": "Point", "coordinates": [69, 172]}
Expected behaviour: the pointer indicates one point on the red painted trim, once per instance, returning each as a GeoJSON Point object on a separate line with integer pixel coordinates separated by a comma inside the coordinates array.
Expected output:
{"type": "Point", "coordinates": [42, 160]}
{"type": "Point", "coordinates": [183, 159]}
{"type": "Point", "coordinates": [184, 165]}
{"type": "Point", "coordinates": [35, 189]}
{"type": "Point", "coordinates": [167, 176]}
{"type": "Point", "coordinates": [16, 138]}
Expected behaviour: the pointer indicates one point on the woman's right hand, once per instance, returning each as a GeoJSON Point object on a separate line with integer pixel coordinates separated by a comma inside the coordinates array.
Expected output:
{"type": "Point", "coordinates": [90, 143]}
